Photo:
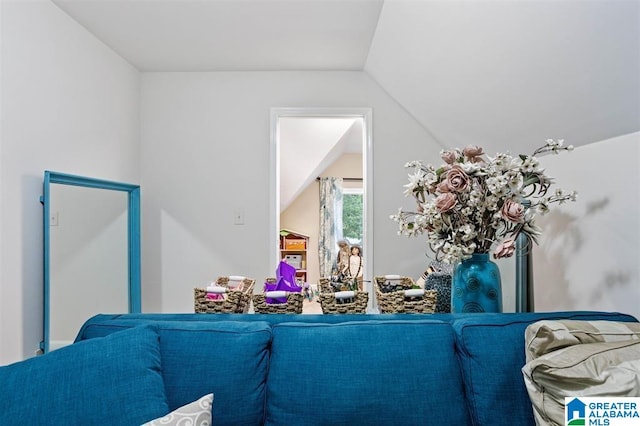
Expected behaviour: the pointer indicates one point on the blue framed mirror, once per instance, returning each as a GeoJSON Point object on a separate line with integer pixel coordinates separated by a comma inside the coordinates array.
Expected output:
{"type": "Point", "coordinates": [91, 252]}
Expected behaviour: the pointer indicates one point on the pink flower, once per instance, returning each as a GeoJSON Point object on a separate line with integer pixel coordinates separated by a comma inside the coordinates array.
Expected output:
{"type": "Point", "coordinates": [473, 153]}
{"type": "Point", "coordinates": [506, 248]}
{"type": "Point", "coordinates": [457, 180]}
{"type": "Point", "coordinates": [449, 157]}
{"type": "Point", "coordinates": [443, 187]}
{"type": "Point", "coordinates": [445, 202]}
{"type": "Point", "coordinates": [512, 211]}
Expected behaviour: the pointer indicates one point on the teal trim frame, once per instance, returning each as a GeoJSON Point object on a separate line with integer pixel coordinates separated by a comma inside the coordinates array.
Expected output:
{"type": "Point", "coordinates": [133, 194]}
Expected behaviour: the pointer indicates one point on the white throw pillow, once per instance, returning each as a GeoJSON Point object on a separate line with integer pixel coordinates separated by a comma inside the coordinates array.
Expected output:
{"type": "Point", "coordinates": [197, 413]}
{"type": "Point", "coordinates": [547, 335]}
{"type": "Point", "coordinates": [579, 359]}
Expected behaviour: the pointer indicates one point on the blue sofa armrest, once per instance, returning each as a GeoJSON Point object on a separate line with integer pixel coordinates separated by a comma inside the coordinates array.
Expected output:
{"type": "Point", "coordinates": [491, 349]}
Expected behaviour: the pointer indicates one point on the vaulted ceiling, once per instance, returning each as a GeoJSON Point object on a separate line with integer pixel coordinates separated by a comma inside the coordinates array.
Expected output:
{"type": "Point", "coordinates": [502, 74]}
{"type": "Point", "coordinates": [510, 74]}
{"type": "Point", "coordinates": [232, 35]}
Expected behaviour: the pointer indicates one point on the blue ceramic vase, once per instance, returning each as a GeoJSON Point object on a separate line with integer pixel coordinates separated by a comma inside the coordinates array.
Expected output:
{"type": "Point", "coordinates": [476, 285]}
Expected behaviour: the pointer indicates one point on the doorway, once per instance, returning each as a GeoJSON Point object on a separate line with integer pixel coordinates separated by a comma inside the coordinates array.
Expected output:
{"type": "Point", "coordinates": [297, 161]}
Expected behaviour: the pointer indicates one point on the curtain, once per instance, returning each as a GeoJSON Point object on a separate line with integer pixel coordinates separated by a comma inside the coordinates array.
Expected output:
{"type": "Point", "coordinates": [330, 223]}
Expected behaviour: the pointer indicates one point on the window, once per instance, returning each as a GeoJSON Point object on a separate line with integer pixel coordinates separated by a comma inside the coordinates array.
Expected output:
{"type": "Point", "coordinates": [352, 214]}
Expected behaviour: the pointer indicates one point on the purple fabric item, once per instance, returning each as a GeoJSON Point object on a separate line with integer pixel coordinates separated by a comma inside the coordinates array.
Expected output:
{"type": "Point", "coordinates": [288, 273]}
{"type": "Point", "coordinates": [285, 281]}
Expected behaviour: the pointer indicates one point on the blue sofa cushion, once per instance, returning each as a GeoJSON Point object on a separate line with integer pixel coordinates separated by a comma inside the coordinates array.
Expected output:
{"type": "Point", "coordinates": [114, 380]}
{"type": "Point", "coordinates": [228, 359]}
{"type": "Point", "coordinates": [491, 348]}
{"type": "Point", "coordinates": [366, 373]}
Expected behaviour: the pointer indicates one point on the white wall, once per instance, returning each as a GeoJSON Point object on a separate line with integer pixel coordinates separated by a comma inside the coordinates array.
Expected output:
{"type": "Point", "coordinates": [589, 256]}
{"type": "Point", "coordinates": [205, 152]}
{"type": "Point", "coordinates": [69, 104]}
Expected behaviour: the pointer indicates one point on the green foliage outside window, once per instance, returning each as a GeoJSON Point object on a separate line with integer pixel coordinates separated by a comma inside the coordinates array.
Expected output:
{"type": "Point", "coordinates": [352, 217]}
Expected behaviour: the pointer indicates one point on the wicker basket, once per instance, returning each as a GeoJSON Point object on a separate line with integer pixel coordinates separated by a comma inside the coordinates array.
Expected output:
{"type": "Point", "coordinates": [245, 287]}
{"type": "Point", "coordinates": [236, 301]}
{"type": "Point", "coordinates": [227, 305]}
{"type": "Point", "coordinates": [332, 305]}
{"type": "Point", "coordinates": [392, 300]}
{"type": "Point", "coordinates": [293, 305]}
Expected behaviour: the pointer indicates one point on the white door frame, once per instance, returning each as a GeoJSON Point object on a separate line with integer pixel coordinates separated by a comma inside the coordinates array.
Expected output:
{"type": "Point", "coordinates": [367, 167]}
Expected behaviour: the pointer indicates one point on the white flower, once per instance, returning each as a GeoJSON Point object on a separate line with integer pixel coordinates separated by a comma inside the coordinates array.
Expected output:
{"type": "Point", "coordinates": [530, 165]}
{"type": "Point", "coordinates": [415, 182]}
{"type": "Point", "coordinates": [431, 177]}
{"type": "Point", "coordinates": [471, 168]}
{"type": "Point", "coordinates": [514, 181]}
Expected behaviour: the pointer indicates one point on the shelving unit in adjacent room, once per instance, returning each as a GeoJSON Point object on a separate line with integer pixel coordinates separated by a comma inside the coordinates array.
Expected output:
{"type": "Point", "coordinates": [293, 250]}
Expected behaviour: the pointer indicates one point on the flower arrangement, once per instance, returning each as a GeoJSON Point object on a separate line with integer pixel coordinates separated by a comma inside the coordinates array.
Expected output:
{"type": "Point", "coordinates": [472, 204]}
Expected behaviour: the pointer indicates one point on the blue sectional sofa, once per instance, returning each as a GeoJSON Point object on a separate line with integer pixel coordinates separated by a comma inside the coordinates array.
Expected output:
{"type": "Point", "coordinates": [439, 369]}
